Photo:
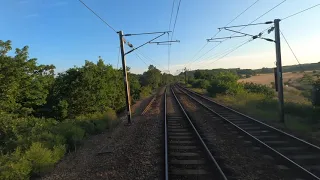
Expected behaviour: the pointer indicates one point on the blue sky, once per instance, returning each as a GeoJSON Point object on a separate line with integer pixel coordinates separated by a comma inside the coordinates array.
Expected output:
{"type": "Point", "coordinates": [65, 33]}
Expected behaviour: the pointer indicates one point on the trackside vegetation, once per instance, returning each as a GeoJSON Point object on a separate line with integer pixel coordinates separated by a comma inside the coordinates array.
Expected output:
{"type": "Point", "coordinates": [260, 101]}
{"type": "Point", "coordinates": [44, 115]}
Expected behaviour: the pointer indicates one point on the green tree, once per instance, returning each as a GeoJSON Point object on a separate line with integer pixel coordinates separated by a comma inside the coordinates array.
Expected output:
{"type": "Point", "coordinates": [88, 89]}
{"type": "Point", "coordinates": [151, 78]}
{"type": "Point", "coordinates": [24, 85]}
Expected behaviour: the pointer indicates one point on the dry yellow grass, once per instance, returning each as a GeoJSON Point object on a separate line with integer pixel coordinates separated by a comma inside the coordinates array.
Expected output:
{"type": "Point", "coordinates": [266, 79]}
{"type": "Point", "coordinates": [291, 94]}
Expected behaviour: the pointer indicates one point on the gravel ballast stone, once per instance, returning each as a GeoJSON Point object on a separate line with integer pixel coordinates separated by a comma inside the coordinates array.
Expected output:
{"type": "Point", "coordinates": [128, 152]}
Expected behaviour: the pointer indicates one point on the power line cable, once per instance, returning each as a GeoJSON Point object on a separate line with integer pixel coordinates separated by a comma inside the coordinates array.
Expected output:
{"type": "Point", "coordinates": [214, 47]}
{"type": "Point", "coordinates": [301, 11]}
{"type": "Point", "coordinates": [198, 52]}
{"type": "Point", "coordinates": [230, 50]}
{"type": "Point", "coordinates": [219, 45]}
{"type": "Point", "coordinates": [150, 59]}
{"type": "Point", "coordinates": [252, 21]}
{"type": "Point", "coordinates": [175, 21]}
{"type": "Point", "coordinates": [98, 16]}
{"type": "Point", "coordinates": [246, 42]}
{"type": "Point", "coordinates": [141, 59]}
{"type": "Point", "coordinates": [169, 35]}
{"type": "Point", "coordinates": [171, 14]}
{"type": "Point", "coordinates": [220, 31]}
{"type": "Point", "coordinates": [174, 26]}
{"type": "Point", "coordinates": [265, 13]}
{"type": "Point", "coordinates": [242, 12]}
{"type": "Point", "coordinates": [292, 51]}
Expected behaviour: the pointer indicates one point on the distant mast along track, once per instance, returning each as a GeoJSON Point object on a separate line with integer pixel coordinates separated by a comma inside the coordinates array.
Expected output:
{"type": "Point", "coordinates": [300, 156]}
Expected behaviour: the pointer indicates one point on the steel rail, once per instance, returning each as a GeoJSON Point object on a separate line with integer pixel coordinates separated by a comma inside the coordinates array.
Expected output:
{"type": "Point", "coordinates": [307, 172]}
{"type": "Point", "coordinates": [200, 139]}
{"type": "Point", "coordinates": [166, 163]}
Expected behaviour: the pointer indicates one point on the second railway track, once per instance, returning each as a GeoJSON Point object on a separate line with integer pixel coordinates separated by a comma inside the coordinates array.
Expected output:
{"type": "Point", "coordinates": [302, 158]}
{"type": "Point", "coordinates": [186, 154]}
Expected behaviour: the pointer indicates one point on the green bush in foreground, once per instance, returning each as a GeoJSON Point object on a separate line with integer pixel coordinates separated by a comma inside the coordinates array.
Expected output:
{"type": "Point", "coordinates": [14, 166]}
{"type": "Point", "coordinates": [42, 159]}
{"type": "Point", "coordinates": [31, 146]}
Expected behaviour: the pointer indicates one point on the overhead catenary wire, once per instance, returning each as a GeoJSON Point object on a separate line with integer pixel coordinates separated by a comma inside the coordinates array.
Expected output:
{"type": "Point", "coordinates": [174, 26]}
{"type": "Point", "coordinates": [206, 52]}
{"type": "Point", "coordinates": [220, 31]}
{"type": "Point", "coordinates": [169, 36]}
{"type": "Point", "coordinates": [175, 21]}
{"type": "Point", "coordinates": [274, 7]}
{"type": "Point", "coordinates": [294, 54]}
{"type": "Point", "coordinates": [141, 59]}
{"type": "Point", "coordinates": [150, 59]}
{"type": "Point", "coordinates": [242, 12]}
{"type": "Point", "coordinates": [198, 52]}
{"type": "Point", "coordinates": [267, 12]}
{"type": "Point", "coordinates": [171, 14]}
{"type": "Point", "coordinates": [239, 46]}
{"type": "Point", "coordinates": [98, 16]}
{"type": "Point", "coordinates": [230, 50]}
{"type": "Point", "coordinates": [300, 12]}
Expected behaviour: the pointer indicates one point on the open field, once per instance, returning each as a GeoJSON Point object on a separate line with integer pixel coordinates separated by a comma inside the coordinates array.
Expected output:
{"type": "Point", "coordinates": [297, 86]}
{"type": "Point", "coordinates": [266, 79]}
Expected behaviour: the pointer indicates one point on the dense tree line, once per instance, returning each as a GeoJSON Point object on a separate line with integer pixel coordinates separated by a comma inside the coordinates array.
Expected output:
{"type": "Point", "coordinates": [43, 114]}
{"type": "Point", "coordinates": [242, 73]}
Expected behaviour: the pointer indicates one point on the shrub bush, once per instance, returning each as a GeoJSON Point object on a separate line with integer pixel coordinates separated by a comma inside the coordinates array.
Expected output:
{"type": "Point", "coordinates": [14, 166]}
{"type": "Point", "coordinates": [217, 87]}
{"type": "Point", "coordinates": [145, 91]}
{"type": "Point", "coordinates": [258, 88]}
{"type": "Point", "coordinates": [71, 132]}
{"type": "Point", "coordinates": [224, 87]}
{"type": "Point", "coordinates": [97, 122]}
{"type": "Point", "coordinates": [32, 146]}
{"type": "Point", "coordinates": [201, 83]}
{"type": "Point", "coordinates": [41, 158]}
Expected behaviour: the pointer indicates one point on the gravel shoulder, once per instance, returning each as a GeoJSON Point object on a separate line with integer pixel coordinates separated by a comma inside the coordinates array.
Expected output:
{"type": "Point", "coordinates": [126, 152]}
{"type": "Point", "coordinates": [237, 156]}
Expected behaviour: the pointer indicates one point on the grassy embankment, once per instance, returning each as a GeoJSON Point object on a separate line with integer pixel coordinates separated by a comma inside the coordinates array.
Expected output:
{"type": "Point", "coordinates": [300, 115]}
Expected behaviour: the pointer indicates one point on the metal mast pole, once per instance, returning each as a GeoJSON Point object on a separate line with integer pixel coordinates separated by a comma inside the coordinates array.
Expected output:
{"type": "Point", "coordinates": [279, 69]}
{"type": "Point", "coordinates": [125, 77]}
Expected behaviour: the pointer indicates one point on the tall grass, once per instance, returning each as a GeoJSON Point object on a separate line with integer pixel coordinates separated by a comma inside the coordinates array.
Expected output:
{"type": "Point", "coordinates": [298, 116]}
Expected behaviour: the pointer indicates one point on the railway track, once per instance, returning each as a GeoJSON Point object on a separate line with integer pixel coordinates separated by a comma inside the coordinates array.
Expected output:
{"type": "Point", "coordinates": [300, 157]}
{"type": "Point", "coordinates": [186, 154]}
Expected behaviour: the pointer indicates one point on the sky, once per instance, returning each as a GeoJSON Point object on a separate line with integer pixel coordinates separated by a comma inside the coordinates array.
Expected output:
{"type": "Point", "coordinates": [65, 33]}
